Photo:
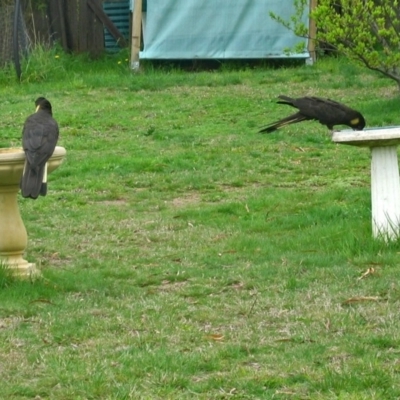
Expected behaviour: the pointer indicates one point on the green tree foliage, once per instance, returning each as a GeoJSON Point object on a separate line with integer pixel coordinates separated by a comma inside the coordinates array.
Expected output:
{"type": "Point", "coordinates": [367, 31]}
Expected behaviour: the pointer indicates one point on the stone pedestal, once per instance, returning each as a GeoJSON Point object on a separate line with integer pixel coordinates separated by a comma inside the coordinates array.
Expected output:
{"type": "Point", "coordinates": [385, 180]}
{"type": "Point", "coordinates": [13, 236]}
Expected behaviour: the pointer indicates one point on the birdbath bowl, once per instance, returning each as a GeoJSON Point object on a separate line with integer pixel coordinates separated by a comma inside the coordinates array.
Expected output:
{"type": "Point", "coordinates": [385, 180]}
{"type": "Point", "coordinates": [13, 236]}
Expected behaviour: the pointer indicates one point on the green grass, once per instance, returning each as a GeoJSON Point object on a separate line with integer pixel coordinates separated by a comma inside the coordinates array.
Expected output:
{"type": "Point", "coordinates": [186, 256]}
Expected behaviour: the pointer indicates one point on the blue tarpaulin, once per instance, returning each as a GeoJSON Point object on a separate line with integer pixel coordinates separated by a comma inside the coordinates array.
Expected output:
{"type": "Point", "coordinates": [217, 29]}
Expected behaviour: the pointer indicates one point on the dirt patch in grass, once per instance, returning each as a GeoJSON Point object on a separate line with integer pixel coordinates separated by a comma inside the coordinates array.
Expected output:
{"type": "Point", "coordinates": [183, 201]}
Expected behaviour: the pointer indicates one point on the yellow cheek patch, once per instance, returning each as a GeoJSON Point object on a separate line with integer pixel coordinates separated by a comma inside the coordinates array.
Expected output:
{"type": "Point", "coordinates": [355, 121]}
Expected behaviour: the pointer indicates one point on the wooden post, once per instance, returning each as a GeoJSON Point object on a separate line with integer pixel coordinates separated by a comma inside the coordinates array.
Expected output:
{"type": "Point", "coordinates": [312, 33]}
{"type": "Point", "coordinates": [82, 26]}
{"type": "Point", "coordinates": [61, 21]}
{"type": "Point", "coordinates": [136, 34]}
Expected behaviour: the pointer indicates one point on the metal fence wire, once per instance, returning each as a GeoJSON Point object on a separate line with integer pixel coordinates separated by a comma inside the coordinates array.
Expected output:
{"type": "Point", "coordinates": [6, 37]}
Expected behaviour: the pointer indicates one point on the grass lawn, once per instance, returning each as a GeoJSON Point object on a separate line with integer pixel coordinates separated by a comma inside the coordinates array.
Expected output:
{"type": "Point", "coordinates": [186, 256]}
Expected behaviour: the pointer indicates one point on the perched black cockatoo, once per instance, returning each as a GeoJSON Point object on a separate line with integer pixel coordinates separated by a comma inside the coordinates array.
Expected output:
{"type": "Point", "coordinates": [39, 139]}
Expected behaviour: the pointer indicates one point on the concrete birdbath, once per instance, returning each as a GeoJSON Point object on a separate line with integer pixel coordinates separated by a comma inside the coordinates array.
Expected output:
{"type": "Point", "coordinates": [13, 236]}
{"type": "Point", "coordinates": [385, 180]}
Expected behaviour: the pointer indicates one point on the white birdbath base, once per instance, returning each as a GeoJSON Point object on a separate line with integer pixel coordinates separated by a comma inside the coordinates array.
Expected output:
{"type": "Point", "coordinates": [385, 179]}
